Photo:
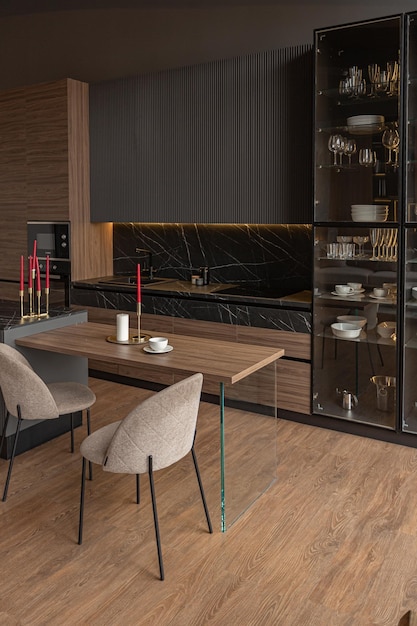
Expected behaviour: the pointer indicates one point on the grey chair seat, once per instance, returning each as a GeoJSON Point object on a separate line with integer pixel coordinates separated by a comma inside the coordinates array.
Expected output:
{"type": "Point", "coordinates": [71, 397]}
{"type": "Point", "coordinates": [94, 447]}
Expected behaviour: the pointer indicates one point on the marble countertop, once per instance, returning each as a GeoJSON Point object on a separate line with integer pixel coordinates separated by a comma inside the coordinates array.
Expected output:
{"type": "Point", "coordinates": [10, 315]}
{"type": "Point", "coordinates": [218, 292]}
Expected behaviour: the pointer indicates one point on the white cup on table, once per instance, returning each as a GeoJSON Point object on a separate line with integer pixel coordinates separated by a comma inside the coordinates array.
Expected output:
{"type": "Point", "coordinates": [158, 344]}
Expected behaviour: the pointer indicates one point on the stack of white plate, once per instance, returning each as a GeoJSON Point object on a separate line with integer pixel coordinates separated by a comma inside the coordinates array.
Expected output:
{"type": "Point", "coordinates": [369, 212]}
{"type": "Point", "coordinates": [365, 124]}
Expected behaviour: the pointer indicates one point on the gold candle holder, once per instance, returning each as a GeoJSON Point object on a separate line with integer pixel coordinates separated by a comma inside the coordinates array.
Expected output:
{"type": "Point", "coordinates": [140, 338]}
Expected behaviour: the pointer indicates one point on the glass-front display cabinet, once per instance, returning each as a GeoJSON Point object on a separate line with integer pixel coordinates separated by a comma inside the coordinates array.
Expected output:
{"type": "Point", "coordinates": [409, 356]}
{"type": "Point", "coordinates": [358, 224]}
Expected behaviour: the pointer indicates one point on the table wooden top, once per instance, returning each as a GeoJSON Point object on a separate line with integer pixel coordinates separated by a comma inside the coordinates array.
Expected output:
{"type": "Point", "coordinates": [220, 361]}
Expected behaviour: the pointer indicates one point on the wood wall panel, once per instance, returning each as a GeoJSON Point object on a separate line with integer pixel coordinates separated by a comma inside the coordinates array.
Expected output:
{"type": "Point", "coordinates": [44, 174]}
{"type": "Point", "coordinates": [294, 386]}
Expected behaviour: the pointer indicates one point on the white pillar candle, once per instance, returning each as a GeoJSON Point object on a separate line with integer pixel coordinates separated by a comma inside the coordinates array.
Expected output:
{"type": "Point", "coordinates": [122, 327]}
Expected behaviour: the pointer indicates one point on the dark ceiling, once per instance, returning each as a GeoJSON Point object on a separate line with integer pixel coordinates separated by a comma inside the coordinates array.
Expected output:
{"type": "Point", "coordinates": [23, 7]}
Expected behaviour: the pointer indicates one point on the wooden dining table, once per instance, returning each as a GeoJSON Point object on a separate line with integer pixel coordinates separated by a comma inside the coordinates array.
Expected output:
{"type": "Point", "coordinates": [224, 363]}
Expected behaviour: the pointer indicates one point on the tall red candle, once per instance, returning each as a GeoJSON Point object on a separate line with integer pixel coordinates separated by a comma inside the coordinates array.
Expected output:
{"type": "Point", "coordinates": [21, 273]}
{"type": "Point", "coordinates": [30, 272]}
{"type": "Point", "coordinates": [138, 285]}
{"type": "Point", "coordinates": [34, 252]}
{"type": "Point", "coordinates": [38, 275]}
{"type": "Point", "coordinates": [47, 273]}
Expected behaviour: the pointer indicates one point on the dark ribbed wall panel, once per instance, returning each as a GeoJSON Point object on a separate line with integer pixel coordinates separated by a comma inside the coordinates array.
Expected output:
{"type": "Point", "coordinates": [223, 142]}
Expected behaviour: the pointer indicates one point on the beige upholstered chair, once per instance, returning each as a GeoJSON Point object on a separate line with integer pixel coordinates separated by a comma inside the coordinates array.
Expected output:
{"type": "Point", "coordinates": [156, 434]}
{"type": "Point", "coordinates": [28, 397]}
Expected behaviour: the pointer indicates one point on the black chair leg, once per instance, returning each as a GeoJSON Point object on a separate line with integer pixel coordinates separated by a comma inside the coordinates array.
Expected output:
{"type": "Point", "coordinates": [203, 497]}
{"type": "Point", "coordinates": [3, 434]}
{"type": "Point", "coordinates": [82, 497]}
{"type": "Point", "coordinates": [72, 432]}
{"type": "Point", "coordinates": [155, 517]}
{"type": "Point", "coordinates": [90, 465]}
{"type": "Point", "coordinates": [9, 472]}
{"type": "Point", "coordinates": [137, 489]}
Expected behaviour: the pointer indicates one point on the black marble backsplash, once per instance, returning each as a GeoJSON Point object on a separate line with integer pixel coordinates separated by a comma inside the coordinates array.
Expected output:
{"type": "Point", "coordinates": [270, 257]}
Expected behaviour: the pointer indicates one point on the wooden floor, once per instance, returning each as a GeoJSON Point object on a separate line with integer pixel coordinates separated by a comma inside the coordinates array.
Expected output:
{"type": "Point", "coordinates": [332, 543]}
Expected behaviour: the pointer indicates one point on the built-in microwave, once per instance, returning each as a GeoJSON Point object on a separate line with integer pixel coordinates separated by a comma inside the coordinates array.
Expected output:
{"type": "Point", "coordinates": [53, 240]}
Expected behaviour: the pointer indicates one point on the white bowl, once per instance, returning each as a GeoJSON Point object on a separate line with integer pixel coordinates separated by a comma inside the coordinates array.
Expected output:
{"type": "Point", "coordinates": [386, 329]}
{"type": "Point", "coordinates": [345, 331]}
{"type": "Point", "coordinates": [368, 207]}
{"type": "Point", "coordinates": [414, 292]}
{"type": "Point", "coordinates": [157, 344]}
{"type": "Point", "coordinates": [354, 320]}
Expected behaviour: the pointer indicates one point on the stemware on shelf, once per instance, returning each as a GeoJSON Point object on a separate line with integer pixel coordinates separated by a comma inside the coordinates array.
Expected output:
{"type": "Point", "coordinates": [374, 238]}
{"type": "Point", "coordinates": [366, 156]}
{"type": "Point", "coordinates": [360, 242]}
{"type": "Point", "coordinates": [350, 149]}
{"type": "Point", "coordinates": [390, 141]}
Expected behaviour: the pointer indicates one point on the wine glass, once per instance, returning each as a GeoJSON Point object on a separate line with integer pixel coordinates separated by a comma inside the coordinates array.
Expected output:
{"type": "Point", "coordinates": [366, 156]}
{"type": "Point", "coordinates": [390, 141]}
{"type": "Point", "coordinates": [373, 72]}
{"type": "Point", "coordinates": [360, 241]}
{"type": "Point", "coordinates": [374, 237]}
{"type": "Point", "coordinates": [334, 144]}
{"type": "Point", "coordinates": [349, 149]}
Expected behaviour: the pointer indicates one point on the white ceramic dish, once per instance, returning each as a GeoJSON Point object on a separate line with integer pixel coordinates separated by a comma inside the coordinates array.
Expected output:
{"type": "Point", "coordinates": [150, 351]}
{"type": "Point", "coordinates": [347, 295]}
{"type": "Point", "coordinates": [354, 320]}
{"type": "Point", "coordinates": [365, 119]}
{"type": "Point", "coordinates": [345, 331]}
{"type": "Point", "coordinates": [386, 329]}
{"type": "Point", "coordinates": [372, 295]}
{"type": "Point", "coordinates": [364, 207]}
{"type": "Point", "coordinates": [414, 292]}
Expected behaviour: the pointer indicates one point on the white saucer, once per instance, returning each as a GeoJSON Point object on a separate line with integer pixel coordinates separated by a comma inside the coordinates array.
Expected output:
{"type": "Point", "coordinates": [347, 295]}
{"type": "Point", "coordinates": [358, 291]}
{"type": "Point", "coordinates": [372, 295]}
{"type": "Point", "coordinates": [150, 351]}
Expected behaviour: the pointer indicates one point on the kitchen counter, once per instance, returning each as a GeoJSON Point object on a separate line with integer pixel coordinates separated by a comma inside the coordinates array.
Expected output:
{"type": "Point", "coordinates": [10, 316]}
{"type": "Point", "coordinates": [239, 305]}
{"type": "Point", "coordinates": [216, 292]}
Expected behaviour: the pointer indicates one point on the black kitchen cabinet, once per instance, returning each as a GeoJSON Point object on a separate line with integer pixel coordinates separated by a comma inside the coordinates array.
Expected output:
{"type": "Point", "coordinates": [221, 142]}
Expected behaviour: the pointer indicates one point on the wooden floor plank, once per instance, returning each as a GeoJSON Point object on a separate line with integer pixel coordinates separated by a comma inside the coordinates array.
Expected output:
{"type": "Point", "coordinates": [333, 542]}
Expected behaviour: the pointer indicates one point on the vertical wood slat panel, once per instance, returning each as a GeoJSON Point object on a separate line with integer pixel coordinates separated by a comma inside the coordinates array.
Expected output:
{"type": "Point", "coordinates": [222, 142]}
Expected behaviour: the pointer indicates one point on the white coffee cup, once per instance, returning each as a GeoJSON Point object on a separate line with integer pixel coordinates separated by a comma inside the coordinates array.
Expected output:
{"type": "Point", "coordinates": [343, 289]}
{"type": "Point", "coordinates": [379, 292]}
{"type": "Point", "coordinates": [158, 344]}
{"type": "Point", "coordinates": [355, 286]}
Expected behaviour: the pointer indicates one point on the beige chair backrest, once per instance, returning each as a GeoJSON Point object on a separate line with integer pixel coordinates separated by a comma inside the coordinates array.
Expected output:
{"type": "Point", "coordinates": [20, 385]}
{"type": "Point", "coordinates": [162, 426]}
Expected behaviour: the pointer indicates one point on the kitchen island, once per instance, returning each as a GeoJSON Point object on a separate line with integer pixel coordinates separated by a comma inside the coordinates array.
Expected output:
{"type": "Point", "coordinates": [53, 369]}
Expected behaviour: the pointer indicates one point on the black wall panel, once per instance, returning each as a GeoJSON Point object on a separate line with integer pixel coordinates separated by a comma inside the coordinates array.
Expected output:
{"type": "Point", "coordinates": [222, 142]}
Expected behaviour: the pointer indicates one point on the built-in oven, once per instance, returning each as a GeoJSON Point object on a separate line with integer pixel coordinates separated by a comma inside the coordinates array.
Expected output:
{"type": "Point", "coordinates": [53, 239]}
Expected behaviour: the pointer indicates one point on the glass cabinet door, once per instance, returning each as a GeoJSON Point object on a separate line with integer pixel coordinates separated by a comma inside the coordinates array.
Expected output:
{"type": "Point", "coordinates": [409, 338]}
{"type": "Point", "coordinates": [356, 221]}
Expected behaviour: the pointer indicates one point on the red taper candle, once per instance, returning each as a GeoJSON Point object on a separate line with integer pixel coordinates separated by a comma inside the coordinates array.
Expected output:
{"type": "Point", "coordinates": [30, 272]}
{"type": "Point", "coordinates": [47, 273]}
{"type": "Point", "coordinates": [21, 273]}
{"type": "Point", "coordinates": [38, 275]}
{"type": "Point", "coordinates": [34, 252]}
{"type": "Point", "coordinates": [138, 285]}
